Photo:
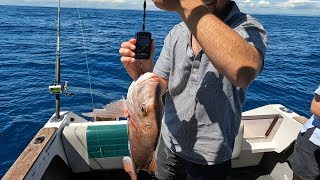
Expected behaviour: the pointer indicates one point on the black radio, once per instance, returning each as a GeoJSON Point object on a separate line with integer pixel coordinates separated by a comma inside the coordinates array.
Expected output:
{"type": "Point", "coordinates": [143, 44]}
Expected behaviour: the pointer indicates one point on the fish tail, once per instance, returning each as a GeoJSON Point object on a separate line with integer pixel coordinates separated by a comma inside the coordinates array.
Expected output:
{"type": "Point", "coordinates": [124, 103]}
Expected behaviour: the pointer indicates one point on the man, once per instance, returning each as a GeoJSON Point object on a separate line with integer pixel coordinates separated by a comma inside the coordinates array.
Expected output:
{"type": "Point", "coordinates": [305, 159]}
{"type": "Point", "coordinates": [205, 66]}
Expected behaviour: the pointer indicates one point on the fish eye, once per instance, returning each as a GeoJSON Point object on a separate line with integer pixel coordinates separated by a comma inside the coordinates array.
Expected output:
{"type": "Point", "coordinates": [143, 111]}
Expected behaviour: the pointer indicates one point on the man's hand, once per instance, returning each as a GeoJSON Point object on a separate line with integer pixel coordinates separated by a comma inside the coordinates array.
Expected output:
{"type": "Point", "coordinates": [177, 5]}
{"type": "Point", "coordinates": [135, 67]}
{"type": "Point", "coordinates": [167, 5]}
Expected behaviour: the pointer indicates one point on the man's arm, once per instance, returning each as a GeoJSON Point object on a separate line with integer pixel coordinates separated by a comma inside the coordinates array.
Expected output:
{"type": "Point", "coordinates": [227, 50]}
{"type": "Point", "coordinates": [230, 54]}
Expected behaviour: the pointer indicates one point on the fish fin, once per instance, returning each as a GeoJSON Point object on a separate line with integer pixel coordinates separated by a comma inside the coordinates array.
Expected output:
{"type": "Point", "coordinates": [111, 110]}
{"type": "Point", "coordinates": [125, 104]}
{"type": "Point", "coordinates": [128, 167]}
{"type": "Point", "coordinates": [99, 113]}
{"type": "Point", "coordinates": [152, 167]}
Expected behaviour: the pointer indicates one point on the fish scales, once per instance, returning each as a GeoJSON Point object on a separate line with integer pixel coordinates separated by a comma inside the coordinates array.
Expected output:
{"type": "Point", "coordinates": [144, 109]}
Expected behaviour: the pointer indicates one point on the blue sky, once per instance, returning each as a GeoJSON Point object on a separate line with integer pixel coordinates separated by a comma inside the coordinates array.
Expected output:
{"type": "Point", "coordinates": [296, 7]}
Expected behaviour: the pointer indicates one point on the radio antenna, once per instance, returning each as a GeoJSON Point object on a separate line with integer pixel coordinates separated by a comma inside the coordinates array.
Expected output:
{"type": "Point", "coordinates": [143, 39]}
{"type": "Point", "coordinates": [144, 16]}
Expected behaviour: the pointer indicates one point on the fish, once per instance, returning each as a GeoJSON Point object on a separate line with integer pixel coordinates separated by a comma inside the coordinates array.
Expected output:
{"type": "Point", "coordinates": [144, 110]}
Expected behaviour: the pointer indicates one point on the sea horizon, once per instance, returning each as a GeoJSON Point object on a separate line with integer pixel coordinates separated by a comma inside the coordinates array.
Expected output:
{"type": "Point", "coordinates": [157, 10]}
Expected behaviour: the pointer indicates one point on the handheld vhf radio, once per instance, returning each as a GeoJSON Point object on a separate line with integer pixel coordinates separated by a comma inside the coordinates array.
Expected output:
{"type": "Point", "coordinates": [143, 44]}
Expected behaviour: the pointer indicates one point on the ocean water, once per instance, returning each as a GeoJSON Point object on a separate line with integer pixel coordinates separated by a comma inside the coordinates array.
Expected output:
{"type": "Point", "coordinates": [90, 39]}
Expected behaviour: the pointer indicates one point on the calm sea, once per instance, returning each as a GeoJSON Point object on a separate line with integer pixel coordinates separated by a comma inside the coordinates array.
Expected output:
{"type": "Point", "coordinates": [91, 38]}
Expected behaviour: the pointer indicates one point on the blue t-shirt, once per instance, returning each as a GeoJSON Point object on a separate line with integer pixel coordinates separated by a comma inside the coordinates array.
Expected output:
{"type": "Point", "coordinates": [314, 121]}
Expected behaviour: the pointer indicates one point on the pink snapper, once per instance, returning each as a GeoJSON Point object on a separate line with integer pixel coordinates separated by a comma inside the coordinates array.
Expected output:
{"type": "Point", "coordinates": [144, 109]}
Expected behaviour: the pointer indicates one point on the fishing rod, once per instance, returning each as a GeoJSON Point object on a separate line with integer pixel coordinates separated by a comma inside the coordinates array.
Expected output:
{"type": "Point", "coordinates": [57, 88]}
{"type": "Point", "coordinates": [58, 66]}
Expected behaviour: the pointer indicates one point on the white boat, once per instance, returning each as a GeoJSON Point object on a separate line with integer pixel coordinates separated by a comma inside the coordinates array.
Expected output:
{"type": "Point", "coordinates": [75, 148]}
{"type": "Point", "coordinates": [71, 147]}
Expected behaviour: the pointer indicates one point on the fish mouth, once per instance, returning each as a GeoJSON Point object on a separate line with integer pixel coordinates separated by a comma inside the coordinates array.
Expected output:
{"type": "Point", "coordinates": [153, 78]}
{"type": "Point", "coordinates": [147, 76]}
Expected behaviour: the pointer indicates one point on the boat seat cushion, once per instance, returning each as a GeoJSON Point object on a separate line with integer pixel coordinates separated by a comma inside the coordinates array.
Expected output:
{"type": "Point", "coordinates": [94, 148]}
{"type": "Point", "coordinates": [238, 142]}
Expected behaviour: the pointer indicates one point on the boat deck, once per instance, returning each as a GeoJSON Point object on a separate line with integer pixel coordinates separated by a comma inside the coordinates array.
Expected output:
{"type": "Point", "coordinates": [253, 173]}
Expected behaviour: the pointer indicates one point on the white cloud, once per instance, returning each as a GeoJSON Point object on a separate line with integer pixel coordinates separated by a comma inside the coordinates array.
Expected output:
{"type": "Point", "coordinates": [112, 1]}
{"type": "Point", "coordinates": [251, 4]}
{"type": "Point", "coordinates": [105, 1]}
{"type": "Point", "coordinates": [246, 3]}
{"type": "Point", "coordinates": [264, 4]}
{"type": "Point", "coordinates": [307, 5]}
{"type": "Point", "coordinates": [284, 6]}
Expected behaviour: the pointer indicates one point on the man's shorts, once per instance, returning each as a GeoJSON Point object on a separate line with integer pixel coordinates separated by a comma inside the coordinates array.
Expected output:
{"type": "Point", "coordinates": [172, 166]}
{"type": "Point", "coordinates": [305, 159]}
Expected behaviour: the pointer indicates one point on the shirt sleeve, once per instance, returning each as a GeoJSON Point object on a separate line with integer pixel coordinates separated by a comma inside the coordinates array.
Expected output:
{"type": "Point", "coordinates": [254, 33]}
{"type": "Point", "coordinates": [163, 65]}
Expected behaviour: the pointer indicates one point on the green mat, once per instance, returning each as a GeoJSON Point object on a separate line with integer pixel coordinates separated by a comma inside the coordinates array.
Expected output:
{"type": "Point", "coordinates": [107, 141]}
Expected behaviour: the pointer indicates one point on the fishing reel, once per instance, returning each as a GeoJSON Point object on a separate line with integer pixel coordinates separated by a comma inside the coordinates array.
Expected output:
{"type": "Point", "coordinates": [60, 89]}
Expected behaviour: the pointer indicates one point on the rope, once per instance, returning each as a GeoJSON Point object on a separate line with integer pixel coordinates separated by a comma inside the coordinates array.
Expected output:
{"type": "Point", "coordinates": [85, 51]}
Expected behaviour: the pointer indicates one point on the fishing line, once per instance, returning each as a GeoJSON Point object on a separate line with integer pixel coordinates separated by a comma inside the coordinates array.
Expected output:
{"type": "Point", "coordinates": [85, 52]}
